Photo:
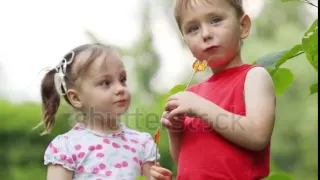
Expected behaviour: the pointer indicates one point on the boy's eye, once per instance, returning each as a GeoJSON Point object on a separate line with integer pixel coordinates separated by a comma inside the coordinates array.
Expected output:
{"type": "Point", "coordinates": [105, 83]}
{"type": "Point", "coordinates": [216, 19]}
{"type": "Point", "coordinates": [193, 28]}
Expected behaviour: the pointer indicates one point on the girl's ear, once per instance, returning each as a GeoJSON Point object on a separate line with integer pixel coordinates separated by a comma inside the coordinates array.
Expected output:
{"type": "Point", "coordinates": [245, 26]}
{"type": "Point", "coordinates": [73, 97]}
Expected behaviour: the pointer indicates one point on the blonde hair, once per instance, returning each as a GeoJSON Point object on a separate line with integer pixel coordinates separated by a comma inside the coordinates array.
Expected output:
{"type": "Point", "coordinates": [181, 5]}
{"type": "Point", "coordinates": [49, 94]}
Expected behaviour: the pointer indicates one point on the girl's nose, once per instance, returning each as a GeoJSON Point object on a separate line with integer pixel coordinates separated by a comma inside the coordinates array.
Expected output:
{"type": "Point", "coordinates": [119, 89]}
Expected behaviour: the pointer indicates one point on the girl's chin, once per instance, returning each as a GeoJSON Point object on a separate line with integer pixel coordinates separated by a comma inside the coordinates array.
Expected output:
{"type": "Point", "coordinates": [120, 111]}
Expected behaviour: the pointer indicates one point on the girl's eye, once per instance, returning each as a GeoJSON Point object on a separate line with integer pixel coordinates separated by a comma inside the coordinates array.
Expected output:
{"type": "Point", "coordinates": [124, 80]}
{"type": "Point", "coordinates": [193, 28]}
{"type": "Point", "coordinates": [216, 19]}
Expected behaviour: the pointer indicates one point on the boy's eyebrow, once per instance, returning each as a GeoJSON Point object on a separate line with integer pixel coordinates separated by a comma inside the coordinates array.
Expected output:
{"type": "Point", "coordinates": [188, 23]}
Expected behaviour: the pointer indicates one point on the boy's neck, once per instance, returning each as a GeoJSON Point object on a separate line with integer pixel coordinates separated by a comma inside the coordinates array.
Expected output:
{"type": "Point", "coordinates": [237, 61]}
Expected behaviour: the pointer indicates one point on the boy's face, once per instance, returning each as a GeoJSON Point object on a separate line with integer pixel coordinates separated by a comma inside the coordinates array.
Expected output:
{"type": "Point", "coordinates": [213, 31]}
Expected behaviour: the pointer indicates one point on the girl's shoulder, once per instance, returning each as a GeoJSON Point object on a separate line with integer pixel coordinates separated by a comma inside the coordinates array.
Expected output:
{"type": "Point", "coordinates": [63, 147]}
{"type": "Point", "coordinates": [134, 134]}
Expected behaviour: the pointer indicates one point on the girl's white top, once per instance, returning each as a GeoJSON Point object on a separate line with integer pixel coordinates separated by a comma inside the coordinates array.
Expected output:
{"type": "Point", "coordinates": [94, 156]}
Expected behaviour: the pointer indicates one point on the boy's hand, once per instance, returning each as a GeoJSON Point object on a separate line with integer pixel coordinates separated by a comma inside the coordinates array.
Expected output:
{"type": "Point", "coordinates": [185, 103]}
{"type": "Point", "coordinates": [160, 173]}
{"type": "Point", "coordinates": [174, 124]}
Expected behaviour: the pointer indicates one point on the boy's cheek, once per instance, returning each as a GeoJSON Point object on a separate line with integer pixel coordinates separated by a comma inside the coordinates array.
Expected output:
{"type": "Point", "coordinates": [196, 51]}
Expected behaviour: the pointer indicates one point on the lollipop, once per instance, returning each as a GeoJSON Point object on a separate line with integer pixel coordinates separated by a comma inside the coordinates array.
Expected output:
{"type": "Point", "coordinates": [156, 140]}
{"type": "Point", "coordinates": [197, 66]}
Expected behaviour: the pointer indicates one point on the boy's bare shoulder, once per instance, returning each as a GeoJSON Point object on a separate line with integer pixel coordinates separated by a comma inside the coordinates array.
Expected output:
{"type": "Point", "coordinates": [259, 75]}
{"type": "Point", "coordinates": [259, 81]}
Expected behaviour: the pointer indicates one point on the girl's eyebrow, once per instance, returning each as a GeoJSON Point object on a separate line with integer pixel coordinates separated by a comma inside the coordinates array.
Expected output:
{"type": "Point", "coordinates": [103, 76]}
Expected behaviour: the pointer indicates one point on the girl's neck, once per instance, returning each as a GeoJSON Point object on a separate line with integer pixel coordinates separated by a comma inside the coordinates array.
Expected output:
{"type": "Point", "coordinates": [236, 61]}
{"type": "Point", "coordinates": [107, 126]}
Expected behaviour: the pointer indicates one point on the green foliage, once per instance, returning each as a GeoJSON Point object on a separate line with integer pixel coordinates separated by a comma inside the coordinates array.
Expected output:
{"type": "Point", "coordinates": [310, 44]}
{"type": "Point", "coordinates": [174, 90]}
{"type": "Point", "coordinates": [283, 77]}
{"type": "Point", "coordinates": [141, 178]}
{"type": "Point", "coordinates": [313, 88]}
{"type": "Point", "coordinates": [279, 176]}
{"type": "Point", "coordinates": [177, 89]}
{"type": "Point", "coordinates": [289, 0]}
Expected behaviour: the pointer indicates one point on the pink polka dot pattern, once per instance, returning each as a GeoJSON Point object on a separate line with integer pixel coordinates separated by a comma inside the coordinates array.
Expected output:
{"type": "Point", "coordinates": [101, 157]}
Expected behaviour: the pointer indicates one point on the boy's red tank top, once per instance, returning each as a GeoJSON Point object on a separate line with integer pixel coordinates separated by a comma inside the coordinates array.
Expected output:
{"type": "Point", "coordinates": [205, 154]}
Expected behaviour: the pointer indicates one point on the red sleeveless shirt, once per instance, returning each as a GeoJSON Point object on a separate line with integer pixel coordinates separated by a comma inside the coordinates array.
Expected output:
{"type": "Point", "coordinates": [205, 154]}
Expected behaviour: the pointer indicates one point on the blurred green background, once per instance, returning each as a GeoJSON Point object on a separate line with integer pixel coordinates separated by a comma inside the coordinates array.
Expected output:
{"type": "Point", "coordinates": [294, 142]}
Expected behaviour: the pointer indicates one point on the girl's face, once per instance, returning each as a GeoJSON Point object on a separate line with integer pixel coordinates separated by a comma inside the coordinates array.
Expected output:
{"type": "Point", "coordinates": [103, 91]}
{"type": "Point", "coordinates": [212, 31]}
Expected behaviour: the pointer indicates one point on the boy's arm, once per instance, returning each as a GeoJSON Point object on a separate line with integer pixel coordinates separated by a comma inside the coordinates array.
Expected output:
{"type": "Point", "coordinates": [175, 128]}
{"type": "Point", "coordinates": [174, 144]}
{"type": "Point", "coordinates": [254, 130]}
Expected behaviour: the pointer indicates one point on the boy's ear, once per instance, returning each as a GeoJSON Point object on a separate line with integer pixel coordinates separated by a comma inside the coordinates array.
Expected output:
{"type": "Point", "coordinates": [245, 26]}
{"type": "Point", "coordinates": [74, 98]}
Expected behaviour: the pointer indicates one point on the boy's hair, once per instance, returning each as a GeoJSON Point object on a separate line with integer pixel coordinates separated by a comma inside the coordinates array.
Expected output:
{"type": "Point", "coordinates": [49, 94]}
{"type": "Point", "coordinates": [181, 5]}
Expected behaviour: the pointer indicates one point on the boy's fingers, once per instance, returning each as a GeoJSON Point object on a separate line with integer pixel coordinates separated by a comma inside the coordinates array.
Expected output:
{"type": "Point", "coordinates": [156, 175]}
{"type": "Point", "coordinates": [166, 122]}
{"type": "Point", "coordinates": [161, 170]}
{"type": "Point", "coordinates": [171, 105]}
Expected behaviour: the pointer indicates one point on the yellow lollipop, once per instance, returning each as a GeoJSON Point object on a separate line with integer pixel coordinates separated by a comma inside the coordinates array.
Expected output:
{"type": "Point", "coordinates": [198, 66]}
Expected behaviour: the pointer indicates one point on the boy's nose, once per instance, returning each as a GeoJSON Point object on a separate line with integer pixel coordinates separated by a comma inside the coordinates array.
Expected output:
{"type": "Point", "coordinates": [206, 34]}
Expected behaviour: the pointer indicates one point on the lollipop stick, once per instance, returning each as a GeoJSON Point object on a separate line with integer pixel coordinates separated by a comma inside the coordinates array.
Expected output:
{"type": "Point", "coordinates": [156, 140]}
{"type": "Point", "coordinates": [190, 79]}
{"type": "Point", "coordinates": [156, 154]}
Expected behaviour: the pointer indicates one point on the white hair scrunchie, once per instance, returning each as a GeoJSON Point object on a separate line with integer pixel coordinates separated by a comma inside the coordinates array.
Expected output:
{"type": "Point", "coordinates": [61, 69]}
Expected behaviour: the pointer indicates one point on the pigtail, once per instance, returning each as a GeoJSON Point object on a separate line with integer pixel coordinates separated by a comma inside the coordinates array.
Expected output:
{"type": "Point", "coordinates": [50, 101]}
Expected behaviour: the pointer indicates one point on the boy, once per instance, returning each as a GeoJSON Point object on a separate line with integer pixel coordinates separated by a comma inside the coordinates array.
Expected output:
{"type": "Point", "coordinates": [229, 117]}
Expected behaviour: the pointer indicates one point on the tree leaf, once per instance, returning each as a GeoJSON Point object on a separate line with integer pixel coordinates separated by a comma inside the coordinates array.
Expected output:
{"type": "Point", "coordinates": [279, 176]}
{"type": "Point", "coordinates": [313, 89]}
{"type": "Point", "coordinates": [177, 88]}
{"type": "Point", "coordinates": [289, 54]}
{"type": "Point", "coordinates": [270, 60]}
{"type": "Point", "coordinates": [310, 44]}
{"type": "Point", "coordinates": [141, 178]}
{"type": "Point", "coordinates": [276, 59]}
{"type": "Point", "coordinates": [282, 79]}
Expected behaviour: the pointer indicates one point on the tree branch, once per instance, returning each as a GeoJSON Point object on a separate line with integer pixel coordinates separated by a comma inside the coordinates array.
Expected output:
{"type": "Point", "coordinates": [297, 54]}
{"type": "Point", "coordinates": [310, 3]}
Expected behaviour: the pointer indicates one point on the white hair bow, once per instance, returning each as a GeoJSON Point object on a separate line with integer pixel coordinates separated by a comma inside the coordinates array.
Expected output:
{"type": "Point", "coordinates": [61, 70]}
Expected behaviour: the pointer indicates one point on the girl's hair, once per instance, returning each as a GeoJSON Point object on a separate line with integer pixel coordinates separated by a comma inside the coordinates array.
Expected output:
{"type": "Point", "coordinates": [181, 5]}
{"type": "Point", "coordinates": [49, 93]}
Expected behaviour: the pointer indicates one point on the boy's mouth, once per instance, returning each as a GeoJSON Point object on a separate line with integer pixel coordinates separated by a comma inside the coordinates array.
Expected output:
{"type": "Point", "coordinates": [209, 48]}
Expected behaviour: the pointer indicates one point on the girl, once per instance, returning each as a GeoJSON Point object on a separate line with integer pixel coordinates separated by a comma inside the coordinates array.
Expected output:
{"type": "Point", "coordinates": [92, 79]}
{"type": "Point", "coordinates": [229, 117]}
